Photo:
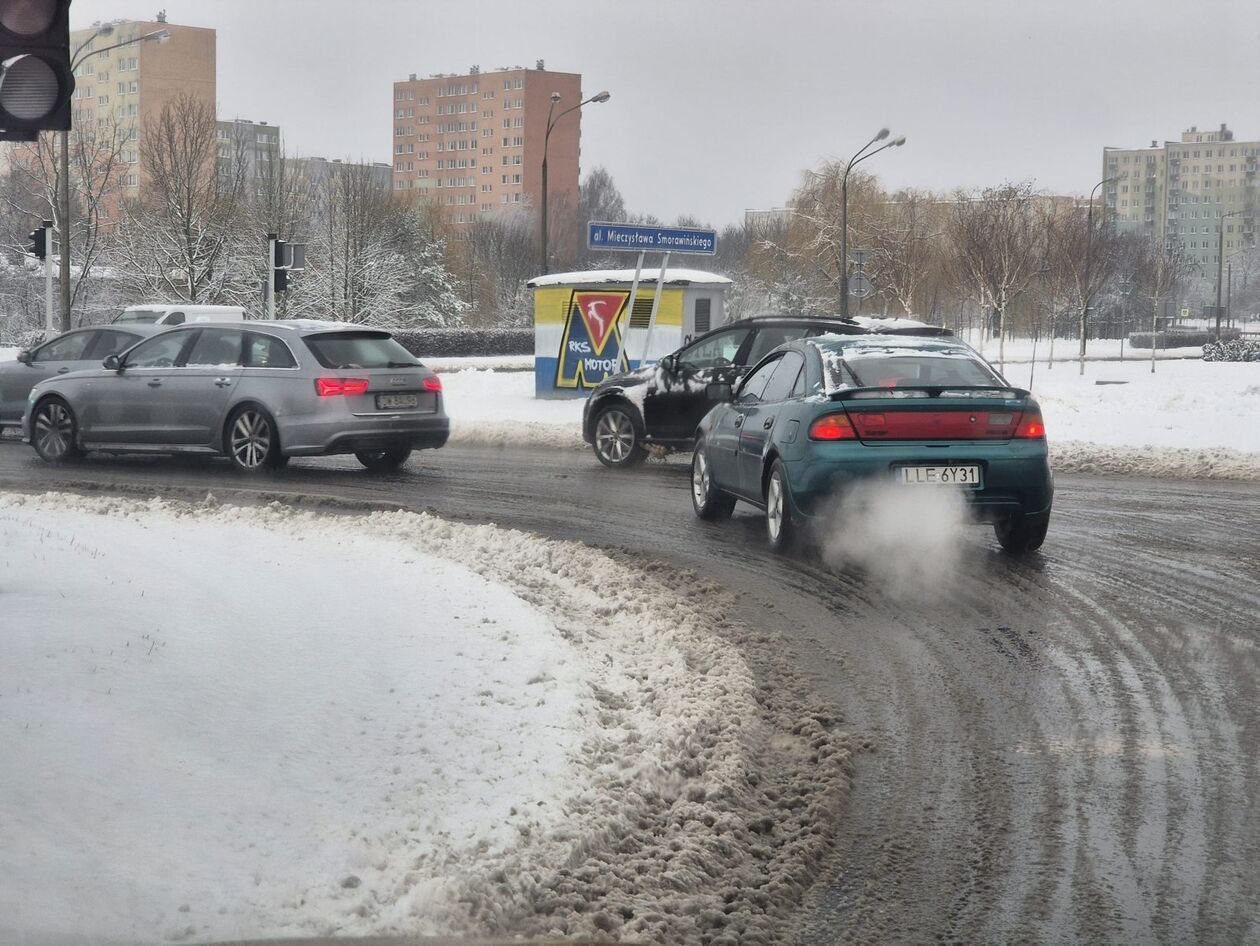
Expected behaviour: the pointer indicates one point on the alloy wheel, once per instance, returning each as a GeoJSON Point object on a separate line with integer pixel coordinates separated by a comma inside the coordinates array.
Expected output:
{"type": "Point", "coordinates": [54, 429]}
{"type": "Point", "coordinates": [614, 435]}
{"type": "Point", "coordinates": [700, 480]}
{"type": "Point", "coordinates": [251, 439]}
{"type": "Point", "coordinates": [774, 507]}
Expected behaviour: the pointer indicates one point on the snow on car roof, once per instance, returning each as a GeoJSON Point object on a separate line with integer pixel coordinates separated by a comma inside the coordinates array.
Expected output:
{"type": "Point", "coordinates": [872, 345]}
{"type": "Point", "coordinates": [673, 277]}
{"type": "Point", "coordinates": [877, 323]}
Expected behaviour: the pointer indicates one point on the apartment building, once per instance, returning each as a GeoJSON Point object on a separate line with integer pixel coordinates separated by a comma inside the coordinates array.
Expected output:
{"type": "Point", "coordinates": [255, 145]}
{"type": "Point", "coordinates": [473, 143]}
{"type": "Point", "coordinates": [1187, 191]}
{"type": "Point", "coordinates": [132, 84]}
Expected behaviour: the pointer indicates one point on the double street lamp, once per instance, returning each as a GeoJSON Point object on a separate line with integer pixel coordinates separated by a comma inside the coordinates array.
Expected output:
{"type": "Point", "coordinates": [551, 123]}
{"type": "Point", "coordinates": [862, 155]}
{"type": "Point", "coordinates": [63, 162]}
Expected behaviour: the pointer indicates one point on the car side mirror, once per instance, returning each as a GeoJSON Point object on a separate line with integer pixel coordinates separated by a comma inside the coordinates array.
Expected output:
{"type": "Point", "coordinates": [719, 391]}
{"type": "Point", "coordinates": [24, 357]}
{"type": "Point", "coordinates": [112, 363]}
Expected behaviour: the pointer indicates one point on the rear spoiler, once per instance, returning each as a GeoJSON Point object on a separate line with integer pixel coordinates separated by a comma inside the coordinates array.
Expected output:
{"type": "Point", "coordinates": [930, 391]}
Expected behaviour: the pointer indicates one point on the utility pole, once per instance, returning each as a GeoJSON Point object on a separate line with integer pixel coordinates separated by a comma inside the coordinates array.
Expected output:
{"type": "Point", "coordinates": [48, 280]}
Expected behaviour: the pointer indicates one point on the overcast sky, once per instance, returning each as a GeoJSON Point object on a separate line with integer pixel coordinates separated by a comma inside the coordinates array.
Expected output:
{"type": "Point", "coordinates": [719, 106]}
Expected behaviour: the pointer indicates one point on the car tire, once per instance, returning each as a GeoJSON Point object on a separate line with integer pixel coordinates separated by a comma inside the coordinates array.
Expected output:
{"type": "Point", "coordinates": [382, 461]}
{"type": "Point", "coordinates": [1019, 535]}
{"type": "Point", "coordinates": [617, 437]}
{"type": "Point", "coordinates": [55, 431]}
{"type": "Point", "coordinates": [780, 529]}
{"type": "Point", "coordinates": [252, 441]}
{"type": "Point", "coordinates": [707, 500]}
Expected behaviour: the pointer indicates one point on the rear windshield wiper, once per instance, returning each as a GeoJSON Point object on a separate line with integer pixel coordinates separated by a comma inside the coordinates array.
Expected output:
{"type": "Point", "coordinates": [403, 364]}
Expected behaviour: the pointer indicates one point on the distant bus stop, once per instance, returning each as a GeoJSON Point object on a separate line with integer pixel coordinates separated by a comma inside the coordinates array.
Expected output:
{"type": "Point", "coordinates": [586, 328]}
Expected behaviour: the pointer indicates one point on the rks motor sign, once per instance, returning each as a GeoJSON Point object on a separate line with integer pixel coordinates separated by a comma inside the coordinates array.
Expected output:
{"type": "Point", "coordinates": [591, 346]}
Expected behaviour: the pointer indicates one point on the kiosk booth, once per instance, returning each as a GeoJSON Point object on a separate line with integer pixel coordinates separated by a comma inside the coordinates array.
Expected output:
{"type": "Point", "coordinates": [585, 327]}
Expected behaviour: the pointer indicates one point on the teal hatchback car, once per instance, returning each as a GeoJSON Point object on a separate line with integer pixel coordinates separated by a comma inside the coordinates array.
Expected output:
{"type": "Point", "coordinates": [821, 414]}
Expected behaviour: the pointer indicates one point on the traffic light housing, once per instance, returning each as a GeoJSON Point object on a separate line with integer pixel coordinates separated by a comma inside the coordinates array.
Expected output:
{"type": "Point", "coordinates": [36, 81]}
{"type": "Point", "coordinates": [279, 267]}
{"type": "Point", "coordinates": [39, 242]}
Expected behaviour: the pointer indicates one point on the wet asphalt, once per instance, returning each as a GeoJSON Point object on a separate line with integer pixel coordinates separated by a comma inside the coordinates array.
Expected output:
{"type": "Point", "coordinates": [1060, 749]}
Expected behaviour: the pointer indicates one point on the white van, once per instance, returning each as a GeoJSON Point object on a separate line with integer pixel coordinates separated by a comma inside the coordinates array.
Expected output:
{"type": "Point", "coordinates": [164, 314]}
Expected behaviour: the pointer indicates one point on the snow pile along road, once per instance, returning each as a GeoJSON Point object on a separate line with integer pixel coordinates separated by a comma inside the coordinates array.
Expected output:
{"type": "Point", "coordinates": [222, 722]}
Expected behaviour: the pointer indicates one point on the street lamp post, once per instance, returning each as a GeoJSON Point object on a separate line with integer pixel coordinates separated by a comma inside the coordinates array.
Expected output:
{"type": "Point", "coordinates": [861, 156]}
{"type": "Point", "coordinates": [1220, 264]}
{"type": "Point", "coordinates": [1089, 262]}
{"type": "Point", "coordinates": [598, 97]}
{"type": "Point", "coordinates": [63, 164]}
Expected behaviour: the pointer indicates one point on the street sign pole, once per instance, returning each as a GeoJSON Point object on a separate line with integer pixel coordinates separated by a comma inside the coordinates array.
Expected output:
{"type": "Point", "coordinates": [656, 301]}
{"type": "Point", "coordinates": [625, 333]}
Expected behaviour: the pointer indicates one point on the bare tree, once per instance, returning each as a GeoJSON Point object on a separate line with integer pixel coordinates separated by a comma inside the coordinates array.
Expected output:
{"type": "Point", "coordinates": [1081, 255]}
{"type": "Point", "coordinates": [997, 242]}
{"type": "Point", "coordinates": [183, 239]}
{"type": "Point", "coordinates": [499, 254]}
{"type": "Point", "coordinates": [97, 153]}
{"type": "Point", "coordinates": [819, 208]}
{"type": "Point", "coordinates": [906, 245]}
{"type": "Point", "coordinates": [1161, 269]}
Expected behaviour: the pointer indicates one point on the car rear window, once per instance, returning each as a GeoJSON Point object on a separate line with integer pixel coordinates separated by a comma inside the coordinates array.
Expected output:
{"type": "Point", "coordinates": [359, 350]}
{"type": "Point", "coordinates": [893, 368]}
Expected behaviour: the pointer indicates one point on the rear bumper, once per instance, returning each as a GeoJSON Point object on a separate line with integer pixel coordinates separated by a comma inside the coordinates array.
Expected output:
{"type": "Point", "coordinates": [420, 432]}
{"type": "Point", "coordinates": [1015, 475]}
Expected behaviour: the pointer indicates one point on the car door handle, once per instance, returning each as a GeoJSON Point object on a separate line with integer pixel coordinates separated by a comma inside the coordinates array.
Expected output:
{"type": "Point", "coordinates": [768, 424]}
{"type": "Point", "coordinates": [62, 370]}
{"type": "Point", "coordinates": [223, 382]}
{"type": "Point", "coordinates": [739, 420]}
{"type": "Point", "coordinates": [155, 382]}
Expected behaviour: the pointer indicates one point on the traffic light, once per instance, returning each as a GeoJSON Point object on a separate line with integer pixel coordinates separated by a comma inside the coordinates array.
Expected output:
{"type": "Point", "coordinates": [36, 81]}
{"type": "Point", "coordinates": [39, 241]}
{"type": "Point", "coordinates": [280, 266]}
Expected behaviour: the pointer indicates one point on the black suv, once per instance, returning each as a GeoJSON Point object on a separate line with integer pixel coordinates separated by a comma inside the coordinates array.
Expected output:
{"type": "Point", "coordinates": [663, 403]}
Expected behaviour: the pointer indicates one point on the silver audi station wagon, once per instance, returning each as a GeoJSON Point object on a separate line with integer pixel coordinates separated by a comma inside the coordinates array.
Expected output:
{"type": "Point", "coordinates": [256, 392]}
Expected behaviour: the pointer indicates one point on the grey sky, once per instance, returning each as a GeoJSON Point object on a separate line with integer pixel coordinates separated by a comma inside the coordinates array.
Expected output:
{"type": "Point", "coordinates": [718, 106]}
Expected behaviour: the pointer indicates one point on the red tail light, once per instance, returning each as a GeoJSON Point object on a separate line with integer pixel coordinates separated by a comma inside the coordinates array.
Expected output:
{"type": "Point", "coordinates": [331, 387]}
{"type": "Point", "coordinates": [832, 427]}
{"type": "Point", "coordinates": [433, 383]}
{"type": "Point", "coordinates": [1031, 426]}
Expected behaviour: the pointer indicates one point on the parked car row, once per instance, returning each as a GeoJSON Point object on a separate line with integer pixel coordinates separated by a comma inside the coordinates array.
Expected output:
{"type": "Point", "coordinates": [257, 393]}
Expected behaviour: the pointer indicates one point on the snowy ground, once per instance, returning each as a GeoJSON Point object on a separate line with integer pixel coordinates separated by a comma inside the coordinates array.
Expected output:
{"type": "Point", "coordinates": [1189, 418]}
{"type": "Point", "coordinates": [220, 721]}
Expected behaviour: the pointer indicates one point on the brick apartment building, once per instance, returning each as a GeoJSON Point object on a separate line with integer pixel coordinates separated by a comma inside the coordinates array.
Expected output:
{"type": "Point", "coordinates": [473, 143]}
{"type": "Point", "coordinates": [133, 83]}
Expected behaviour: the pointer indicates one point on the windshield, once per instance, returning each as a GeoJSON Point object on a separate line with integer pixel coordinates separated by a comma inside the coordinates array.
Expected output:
{"type": "Point", "coordinates": [359, 350]}
{"type": "Point", "coordinates": [138, 317]}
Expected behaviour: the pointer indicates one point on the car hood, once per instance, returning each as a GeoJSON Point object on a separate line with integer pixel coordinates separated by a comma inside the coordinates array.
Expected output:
{"type": "Point", "coordinates": [627, 379]}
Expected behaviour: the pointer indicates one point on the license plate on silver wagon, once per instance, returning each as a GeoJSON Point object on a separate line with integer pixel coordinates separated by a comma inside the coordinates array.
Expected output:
{"type": "Point", "coordinates": [395, 402]}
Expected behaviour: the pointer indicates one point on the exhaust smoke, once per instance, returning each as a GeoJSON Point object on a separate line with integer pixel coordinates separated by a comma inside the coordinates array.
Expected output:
{"type": "Point", "coordinates": [906, 538]}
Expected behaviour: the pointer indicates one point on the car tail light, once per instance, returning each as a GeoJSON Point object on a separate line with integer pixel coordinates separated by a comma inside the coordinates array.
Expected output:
{"type": "Point", "coordinates": [331, 387]}
{"type": "Point", "coordinates": [832, 427]}
{"type": "Point", "coordinates": [432, 383]}
{"type": "Point", "coordinates": [1031, 427]}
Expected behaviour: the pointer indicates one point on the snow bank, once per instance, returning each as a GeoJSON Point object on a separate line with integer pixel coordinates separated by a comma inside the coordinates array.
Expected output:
{"type": "Point", "coordinates": [484, 733]}
{"type": "Point", "coordinates": [8, 354]}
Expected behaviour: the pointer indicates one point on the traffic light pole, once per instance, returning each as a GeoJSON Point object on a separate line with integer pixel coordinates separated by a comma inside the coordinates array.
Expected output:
{"type": "Point", "coordinates": [271, 275]}
{"type": "Point", "coordinates": [48, 277]}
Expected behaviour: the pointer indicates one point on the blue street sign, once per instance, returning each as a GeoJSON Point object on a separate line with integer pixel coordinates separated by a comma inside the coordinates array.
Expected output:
{"type": "Point", "coordinates": [634, 238]}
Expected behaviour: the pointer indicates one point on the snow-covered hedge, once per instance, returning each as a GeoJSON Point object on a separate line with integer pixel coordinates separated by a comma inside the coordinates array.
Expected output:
{"type": "Point", "coordinates": [464, 342]}
{"type": "Point", "coordinates": [1232, 350]}
{"type": "Point", "coordinates": [1180, 339]}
